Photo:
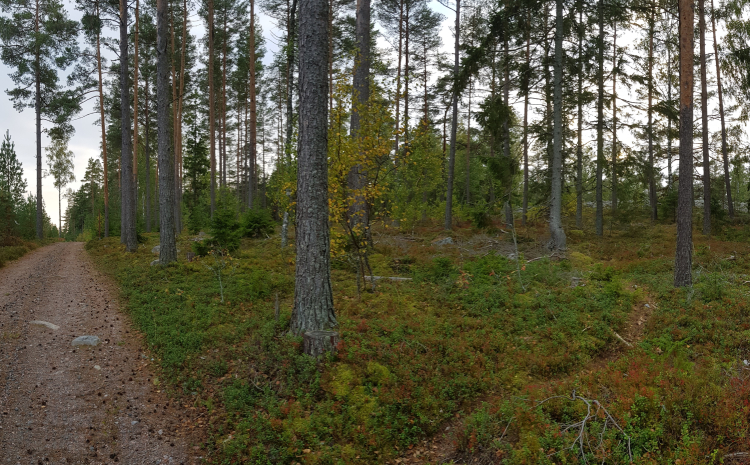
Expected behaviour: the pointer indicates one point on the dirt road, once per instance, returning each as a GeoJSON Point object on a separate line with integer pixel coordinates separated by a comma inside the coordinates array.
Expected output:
{"type": "Point", "coordinates": [76, 405]}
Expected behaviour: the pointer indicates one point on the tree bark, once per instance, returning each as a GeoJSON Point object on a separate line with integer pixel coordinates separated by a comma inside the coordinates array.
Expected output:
{"type": "Point", "coordinates": [211, 104]}
{"type": "Point", "coordinates": [600, 123]}
{"type": "Point", "coordinates": [557, 240]}
{"type": "Point", "coordinates": [725, 159]}
{"type": "Point", "coordinates": [317, 343]}
{"type": "Point", "coordinates": [454, 123]}
{"type": "Point", "coordinates": [579, 146]}
{"type": "Point", "coordinates": [649, 129]}
{"type": "Point", "coordinates": [253, 111]}
{"type": "Point", "coordinates": [683, 256]}
{"type": "Point", "coordinates": [135, 115]}
{"type": "Point", "coordinates": [104, 129]}
{"type": "Point", "coordinates": [614, 119]}
{"type": "Point", "coordinates": [506, 132]}
{"type": "Point", "coordinates": [147, 156]}
{"type": "Point", "coordinates": [525, 206]}
{"type": "Point", "coordinates": [704, 122]}
{"type": "Point", "coordinates": [313, 296]}
{"type": "Point", "coordinates": [38, 110]}
{"type": "Point", "coordinates": [127, 228]}
{"type": "Point", "coordinates": [168, 246]}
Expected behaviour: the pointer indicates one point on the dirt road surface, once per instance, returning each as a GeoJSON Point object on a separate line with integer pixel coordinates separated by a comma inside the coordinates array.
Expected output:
{"type": "Point", "coordinates": [61, 404]}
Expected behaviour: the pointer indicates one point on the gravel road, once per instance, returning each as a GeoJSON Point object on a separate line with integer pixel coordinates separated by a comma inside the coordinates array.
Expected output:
{"type": "Point", "coordinates": [61, 404]}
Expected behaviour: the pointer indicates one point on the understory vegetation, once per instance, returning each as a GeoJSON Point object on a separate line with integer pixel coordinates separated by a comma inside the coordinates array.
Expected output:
{"type": "Point", "coordinates": [583, 357]}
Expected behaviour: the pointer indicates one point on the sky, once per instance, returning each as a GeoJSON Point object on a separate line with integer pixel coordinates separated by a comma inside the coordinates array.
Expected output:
{"type": "Point", "coordinates": [86, 140]}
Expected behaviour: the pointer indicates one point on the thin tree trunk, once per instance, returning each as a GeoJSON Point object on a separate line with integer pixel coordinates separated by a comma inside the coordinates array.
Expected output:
{"type": "Point", "coordinates": [649, 129]}
{"type": "Point", "coordinates": [253, 111]}
{"type": "Point", "coordinates": [104, 130]}
{"type": "Point", "coordinates": [358, 220]}
{"type": "Point", "coordinates": [683, 256]}
{"type": "Point", "coordinates": [38, 110]}
{"type": "Point", "coordinates": [600, 123]}
{"type": "Point", "coordinates": [725, 159]}
{"type": "Point", "coordinates": [211, 104]}
{"type": "Point", "coordinates": [398, 74]}
{"type": "Point", "coordinates": [506, 134]}
{"type": "Point", "coordinates": [614, 119]}
{"type": "Point", "coordinates": [669, 120]}
{"type": "Point", "coordinates": [168, 246]}
{"type": "Point", "coordinates": [289, 120]}
{"type": "Point", "coordinates": [704, 122]}
{"type": "Point", "coordinates": [127, 228]}
{"type": "Point", "coordinates": [579, 146]}
{"type": "Point", "coordinates": [454, 123]}
{"type": "Point", "coordinates": [526, 84]}
{"type": "Point", "coordinates": [406, 70]}
{"type": "Point", "coordinates": [467, 193]}
{"type": "Point", "coordinates": [313, 296]}
{"type": "Point", "coordinates": [147, 156]}
{"type": "Point", "coordinates": [135, 115]}
{"type": "Point", "coordinates": [224, 122]}
{"type": "Point", "coordinates": [557, 240]}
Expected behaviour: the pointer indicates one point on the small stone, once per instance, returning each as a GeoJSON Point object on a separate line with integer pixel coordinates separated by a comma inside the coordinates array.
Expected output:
{"type": "Point", "coordinates": [86, 341]}
{"type": "Point", "coordinates": [156, 249]}
{"type": "Point", "coordinates": [160, 432]}
{"type": "Point", "coordinates": [133, 422]}
{"type": "Point", "coordinates": [44, 323]}
{"type": "Point", "coordinates": [443, 241]}
{"type": "Point", "coordinates": [647, 306]}
{"type": "Point", "coordinates": [97, 367]}
{"type": "Point", "coordinates": [155, 262]}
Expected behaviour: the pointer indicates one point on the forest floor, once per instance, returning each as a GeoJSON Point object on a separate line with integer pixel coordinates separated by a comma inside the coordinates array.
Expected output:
{"type": "Point", "coordinates": [78, 405]}
{"type": "Point", "coordinates": [492, 350]}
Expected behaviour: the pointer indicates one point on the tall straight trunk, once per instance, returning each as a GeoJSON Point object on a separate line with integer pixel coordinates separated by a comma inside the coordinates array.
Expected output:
{"type": "Point", "coordinates": [649, 129]}
{"type": "Point", "coordinates": [147, 156]}
{"type": "Point", "coordinates": [289, 119]}
{"type": "Point", "coordinates": [359, 221]}
{"type": "Point", "coordinates": [313, 296]}
{"type": "Point", "coordinates": [600, 123]}
{"type": "Point", "coordinates": [406, 70]}
{"type": "Point", "coordinates": [330, 57]}
{"type": "Point", "coordinates": [454, 123]}
{"type": "Point", "coordinates": [224, 122]}
{"type": "Point", "coordinates": [178, 122]}
{"type": "Point", "coordinates": [175, 122]}
{"type": "Point", "coordinates": [398, 74]}
{"type": "Point", "coordinates": [127, 228]}
{"type": "Point", "coordinates": [724, 157]}
{"type": "Point", "coordinates": [211, 104]}
{"type": "Point", "coordinates": [467, 190]}
{"type": "Point", "coordinates": [525, 205]}
{"type": "Point", "coordinates": [253, 112]}
{"type": "Point", "coordinates": [38, 114]}
{"type": "Point", "coordinates": [135, 115]}
{"type": "Point", "coordinates": [683, 264]}
{"type": "Point", "coordinates": [506, 132]}
{"type": "Point", "coordinates": [168, 245]}
{"type": "Point", "coordinates": [704, 122]}
{"type": "Point", "coordinates": [579, 145]}
{"type": "Point", "coordinates": [614, 118]}
{"type": "Point", "coordinates": [59, 211]}
{"type": "Point", "coordinates": [557, 240]}
{"type": "Point", "coordinates": [669, 120]}
{"type": "Point", "coordinates": [104, 130]}
{"type": "Point", "coordinates": [548, 97]}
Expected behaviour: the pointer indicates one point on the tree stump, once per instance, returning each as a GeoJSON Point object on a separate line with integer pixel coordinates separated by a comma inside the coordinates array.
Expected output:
{"type": "Point", "coordinates": [317, 343]}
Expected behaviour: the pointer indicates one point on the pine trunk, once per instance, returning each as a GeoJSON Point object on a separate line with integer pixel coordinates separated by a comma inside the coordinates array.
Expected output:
{"type": "Point", "coordinates": [313, 296]}
{"type": "Point", "coordinates": [211, 104]}
{"type": "Point", "coordinates": [704, 122]}
{"type": "Point", "coordinates": [168, 247]}
{"type": "Point", "coordinates": [127, 228]}
{"type": "Point", "coordinates": [724, 157]}
{"type": "Point", "coordinates": [683, 255]}
{"type": "Point", "coordinates": [650, 128]}
{"type": "Point", "coordinates": [579, 146]}
{"type": "Point", "coordinates": [600, 123]}
{"type": "Point", "coordinates": [557, 240]}
{"type": "Point", "coordinates": [454, 123]}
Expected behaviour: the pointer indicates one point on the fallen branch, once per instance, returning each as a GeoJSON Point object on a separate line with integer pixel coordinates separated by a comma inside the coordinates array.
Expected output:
{"type": "Point", "coordinates": [621, 339]}
{"type": "Point", "coordinates": [387, 278]}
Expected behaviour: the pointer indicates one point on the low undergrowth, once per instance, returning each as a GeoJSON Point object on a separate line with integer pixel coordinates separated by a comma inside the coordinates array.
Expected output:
{"type": "Point", "coordinates": [511, 343]}
{"type": "Point", "coordinates": [17, 250]}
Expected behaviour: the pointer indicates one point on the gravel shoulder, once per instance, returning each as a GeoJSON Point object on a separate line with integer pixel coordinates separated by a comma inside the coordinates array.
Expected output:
{"type": "Point", "coordinates": [62, 404]}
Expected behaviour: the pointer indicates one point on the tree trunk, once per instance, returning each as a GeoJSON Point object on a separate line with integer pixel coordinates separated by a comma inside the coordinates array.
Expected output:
{"type": "Point", "coordinates": [649, 129]}
{"type": "Point", "coordinates": [398, 74]}
{"type": "Point", "coordinates": [725, 159]}
{"type": "Point", "coordinates": [289, 120]}
{"type": "Point", "coordinates": [313, 296]}
{"type": "Point", "coordinates": [454, 123]}
{"type": "Point", "coordinates": [506, 134]}
{"type": "Point", "coordinates": [600, 123]}
{"type": "Point", "coordinates": [614, 119]}
{"type": "Point", "coordinates": [147, 156]}
{"type": "Point", "coordinates": [127, 228]}
{"type": "Point", "coordinates": [317, 343]}
{"type": "Point", "coordinates": [557, 241]}
{"type": "Point", "coordinates": [526, 131]}
{"type": "Point", "coordinates": [467, 189]}
{"type": "Point", "coordinates": [224, 122]}
{"type": "Point", "coordinates": [683, 257]}
{"type": "Point", "coordinates": [669, 120]}
{"type": "Point", "coordinates": [135, 116]}
{"type": "Point", "coordinates": [168, 246]}
{"type": "Point", "coordinates": [253, 111]}
{"type": "Point", "coordinates": [579, 146]}
{"type": "Point", "coordinates": [104, 130]}
{"type": "Point", "coordinates": [704, 122]}
{"type": "Point", "coordinates": [38, 114]}
{"type": "Point", "coordinates": [211, 104]}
